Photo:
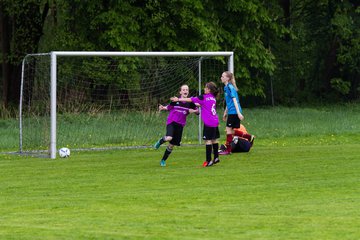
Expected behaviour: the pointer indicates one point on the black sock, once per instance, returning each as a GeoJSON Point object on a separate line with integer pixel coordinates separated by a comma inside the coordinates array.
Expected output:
{"type": "Point", "coordinates": [161, 140]}
{"type": "Point", "coordinates": [167, 153]}
{"type": "Point", "coordinates": [208, 152]}
{"type": "Point", "coordinates": [216, 150]}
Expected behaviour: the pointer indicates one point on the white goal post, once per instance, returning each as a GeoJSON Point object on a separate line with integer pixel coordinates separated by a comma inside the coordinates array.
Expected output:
{"type": "Point", "coordinates": [54, 75]}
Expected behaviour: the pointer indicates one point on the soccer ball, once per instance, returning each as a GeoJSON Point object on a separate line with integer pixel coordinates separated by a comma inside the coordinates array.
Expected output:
{"type": "Point", "coordinates": [64, 152]}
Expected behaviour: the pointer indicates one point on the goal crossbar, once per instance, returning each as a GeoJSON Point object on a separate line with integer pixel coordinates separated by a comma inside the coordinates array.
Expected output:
{"type": "Point", "coordinates": [132, 54]}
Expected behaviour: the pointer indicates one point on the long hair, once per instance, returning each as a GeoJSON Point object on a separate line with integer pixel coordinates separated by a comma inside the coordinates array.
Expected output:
{"type": "Point", "coordinates": [231, 76]}
{"type": "Point", "coordinates": [213, 88]}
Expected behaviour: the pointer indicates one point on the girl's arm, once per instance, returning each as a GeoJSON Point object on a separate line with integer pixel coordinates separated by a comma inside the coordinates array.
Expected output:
{"type": "Point", "coordinates": [176, 99]}
{"type": "Point", "coordinates": [196, 111]}
{"type": "Point", "coordinates": [241, 117]}
{"type": "Point", "coordinates": [161, 107]}
{"type": "Point", "coordinates": [225, 113]}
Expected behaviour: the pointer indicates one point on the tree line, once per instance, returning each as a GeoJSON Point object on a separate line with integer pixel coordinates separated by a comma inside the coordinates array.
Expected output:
{"type": "Point", "coordinates": [286, 51]}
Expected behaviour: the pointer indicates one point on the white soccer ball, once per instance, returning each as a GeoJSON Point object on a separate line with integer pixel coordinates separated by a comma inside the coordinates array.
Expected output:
{"type": "Point", "coordinates": [64, 152]}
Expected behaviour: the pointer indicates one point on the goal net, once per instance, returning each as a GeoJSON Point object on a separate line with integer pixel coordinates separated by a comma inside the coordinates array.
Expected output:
{"type": "Point", "coordinates": [85, 100]}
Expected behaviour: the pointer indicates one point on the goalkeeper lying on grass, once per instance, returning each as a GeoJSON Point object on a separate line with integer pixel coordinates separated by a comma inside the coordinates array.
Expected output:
{"type": "Point", "coordinates": [242, 141]}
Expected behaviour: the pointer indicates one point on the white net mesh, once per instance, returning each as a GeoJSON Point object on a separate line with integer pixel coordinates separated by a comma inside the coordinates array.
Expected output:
{"type": "Point", "coordinates": [108, 101]}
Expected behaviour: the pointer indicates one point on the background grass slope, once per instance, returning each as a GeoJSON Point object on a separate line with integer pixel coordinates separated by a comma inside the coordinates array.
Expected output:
{"type": "Point", "coordinates": [321, 123]}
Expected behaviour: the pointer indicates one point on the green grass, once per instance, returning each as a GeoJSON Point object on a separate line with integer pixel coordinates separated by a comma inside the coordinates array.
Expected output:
{"type": "Point", "coordinates": [300, 181]}
{"type": "Point", "coordinates": [294, 122]}
{"type": "Point", "coordinates": [272, 192]}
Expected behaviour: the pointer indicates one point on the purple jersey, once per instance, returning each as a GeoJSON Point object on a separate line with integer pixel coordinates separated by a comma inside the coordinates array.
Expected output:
{"type": "Point", "coordinates": [178, 112]}
{"type": "Point", "coordinates": [208, 109]}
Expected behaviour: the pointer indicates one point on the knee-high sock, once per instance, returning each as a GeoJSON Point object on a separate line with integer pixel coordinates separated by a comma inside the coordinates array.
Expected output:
{"type": "Point", "coordinates": [208, 152]}
{"type": "Point", "coordinates": [167, 153]}
{"type": "Point", "coordinates": [215, 150]}
{"type": "Point", "coordinates": [161, 140]}
{"type": "Point", "coordinates": [229, 138]}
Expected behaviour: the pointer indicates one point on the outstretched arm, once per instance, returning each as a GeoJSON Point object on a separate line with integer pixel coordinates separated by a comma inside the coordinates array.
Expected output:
{"type": "Point", "coordinates": [176, 99]}
{"type": "Point", "coordinates": [161, 107]}
{"type": "Point", "coordinates": [196, 111]}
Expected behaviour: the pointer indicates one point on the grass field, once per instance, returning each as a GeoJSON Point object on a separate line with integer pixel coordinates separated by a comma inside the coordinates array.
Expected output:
{"type": "Point", "coordinates": [296, 184]}
{"type": "Point", "coordinates": [272, 192]}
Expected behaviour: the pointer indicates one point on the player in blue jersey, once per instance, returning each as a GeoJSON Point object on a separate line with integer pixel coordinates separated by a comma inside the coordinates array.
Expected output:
{"type": "Point", "coordinates": [233, 112]}
{"type": "Point", "coordinates": [178, 111]}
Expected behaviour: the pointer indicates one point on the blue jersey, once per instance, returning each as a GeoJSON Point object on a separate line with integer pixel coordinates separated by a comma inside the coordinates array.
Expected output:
{"type": "Point", "coordinates": [231, 93]}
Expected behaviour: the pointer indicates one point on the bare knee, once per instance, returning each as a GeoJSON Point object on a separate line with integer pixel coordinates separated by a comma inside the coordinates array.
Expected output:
{"type": "Point", "coordinates": [168, 138]}
{"type": "Point", "coordinates": [229, 130]}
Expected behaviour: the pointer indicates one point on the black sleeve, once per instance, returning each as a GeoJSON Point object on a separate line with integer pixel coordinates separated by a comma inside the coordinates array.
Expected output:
{"type": "Point", "coordinates": [201, 97]}
{"type": "Point", "coordinates": [172, 103]}
{"type": "Point", "coordinates": [192, 105]}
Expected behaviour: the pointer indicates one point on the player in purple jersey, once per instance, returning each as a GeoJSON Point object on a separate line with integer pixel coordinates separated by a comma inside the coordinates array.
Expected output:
{"type": "Point", "coordinates": [175, 123]}
{"type": "Point", "coordinates": [211, 134]}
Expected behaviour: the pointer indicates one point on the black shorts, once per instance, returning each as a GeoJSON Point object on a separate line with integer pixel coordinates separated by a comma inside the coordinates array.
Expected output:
{"type": "Point", "coordinates": [174, 130]}
{"type": "Point", "coordinates": [233, 121]}
{"type": "Point", "coordinates": [211, 133]}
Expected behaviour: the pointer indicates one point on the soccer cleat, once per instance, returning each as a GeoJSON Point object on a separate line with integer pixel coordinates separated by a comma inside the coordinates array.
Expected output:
{"type": "Point", "coordinates": [163, 163]}
{"type": "Point", "coordinates": [210, 163]}
{"type": "Point", "coordinates": [157, 145]}
{"type": "Point", "coordinates": [222, 148]}
{"type": "Point", "coordinates": [216, 160]}
{"type": "Point", "coordinates": [224, 153]}
{"type": "Point", "coordinates": [252, 139]}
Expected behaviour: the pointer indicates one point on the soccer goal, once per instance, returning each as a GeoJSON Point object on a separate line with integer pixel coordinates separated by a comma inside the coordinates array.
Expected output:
{"type": "Point", "coordinates": [86, 100]}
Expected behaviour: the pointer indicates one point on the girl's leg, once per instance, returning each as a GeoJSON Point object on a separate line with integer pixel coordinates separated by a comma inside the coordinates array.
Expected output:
{"type": "Point", "coordinates": [208, 147]}
{"type": "Point", "coordinates": [215, 146]}
{"type": "Point", "coordinates": [162, 140]}
{"type": "Point", "coordinates": [229, 138]}
{"type": "Point", "coordinates": [167, 152]}
{"type": "Point", "coordinates": [243, 135]}
{"type": "Point", "coordinates": [208, 152]}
